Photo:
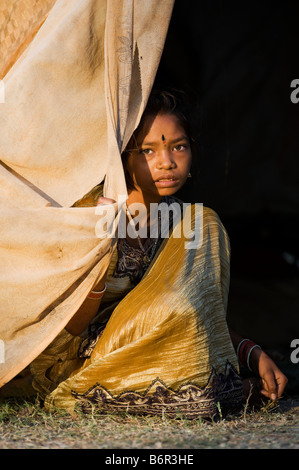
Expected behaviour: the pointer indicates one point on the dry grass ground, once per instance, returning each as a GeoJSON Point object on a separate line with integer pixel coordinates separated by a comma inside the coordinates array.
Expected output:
{"type": "Point", "coordinates": [25, 425]}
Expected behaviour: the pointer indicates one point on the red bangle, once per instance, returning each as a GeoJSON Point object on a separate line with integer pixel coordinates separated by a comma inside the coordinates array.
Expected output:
{"type": "Point", "coordinates": [96, 295]}
{"type": "Point", "coordinates": [244, 350]}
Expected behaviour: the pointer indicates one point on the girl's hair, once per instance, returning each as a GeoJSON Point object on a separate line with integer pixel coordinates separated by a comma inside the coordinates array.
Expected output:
{"type": "Point", "coordinates": [161, 103]}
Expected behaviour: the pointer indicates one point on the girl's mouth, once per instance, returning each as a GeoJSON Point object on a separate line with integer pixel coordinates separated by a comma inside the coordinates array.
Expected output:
{"type": "Point", "coordinates": [166, 182]}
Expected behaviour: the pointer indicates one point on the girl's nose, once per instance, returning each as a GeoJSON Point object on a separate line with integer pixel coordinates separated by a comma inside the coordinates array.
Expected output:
{"type": "Point", "coordinates": [165, 159]}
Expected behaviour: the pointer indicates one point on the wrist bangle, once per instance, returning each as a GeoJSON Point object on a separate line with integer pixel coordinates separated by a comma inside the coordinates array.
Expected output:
{"type": "Point", "coordinates": [96, 294]}
{"type": "Point", "coordinates": [244, 349]}
{"type": "Point", "coordinates": [239, 345]}
{"type": "Point", "coordinates": [248, 355]}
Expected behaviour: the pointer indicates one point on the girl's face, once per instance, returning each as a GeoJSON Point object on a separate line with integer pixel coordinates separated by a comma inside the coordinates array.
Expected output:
{"type": "Point", "coordinates": [161, 163]}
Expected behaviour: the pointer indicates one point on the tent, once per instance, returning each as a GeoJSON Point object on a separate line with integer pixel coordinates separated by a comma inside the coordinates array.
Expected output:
{"type": "Point", "coordinates": [76, 82]}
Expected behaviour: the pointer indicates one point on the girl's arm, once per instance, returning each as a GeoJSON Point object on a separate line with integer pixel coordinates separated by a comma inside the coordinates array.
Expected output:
{"type": "Point", "coordinates": [90, 306]}
{"type": "Point", "coordinates": [86, 312]}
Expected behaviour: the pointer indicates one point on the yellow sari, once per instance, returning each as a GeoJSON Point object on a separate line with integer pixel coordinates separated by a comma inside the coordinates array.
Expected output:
{"type": "Point", "coordinates": [166, 347]}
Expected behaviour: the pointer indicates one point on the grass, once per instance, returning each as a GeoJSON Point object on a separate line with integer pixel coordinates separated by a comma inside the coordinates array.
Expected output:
{"type": "Point", "coordinates": [24, 424]}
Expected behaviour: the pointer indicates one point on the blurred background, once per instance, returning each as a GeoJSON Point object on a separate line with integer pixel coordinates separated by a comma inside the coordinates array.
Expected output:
{"type": "Point", "coordinates": [236, 62]}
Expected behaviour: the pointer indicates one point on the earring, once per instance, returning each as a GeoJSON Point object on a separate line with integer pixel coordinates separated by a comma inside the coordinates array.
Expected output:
{"type": "Point", "coordinates": [189, 175]}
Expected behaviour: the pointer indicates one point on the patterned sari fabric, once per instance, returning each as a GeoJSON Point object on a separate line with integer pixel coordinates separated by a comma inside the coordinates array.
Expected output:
{"type": "Point", "coordinates": [162, 347]}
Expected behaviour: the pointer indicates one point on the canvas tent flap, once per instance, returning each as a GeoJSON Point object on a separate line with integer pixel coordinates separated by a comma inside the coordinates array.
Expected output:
{"type": "Point", "coordinates": [20, 21]}
{"type": "Point", "coordinates": [46, 271]}
{"type": "Point", "coordinates": [135, 36]}
{"type": "Point", "coordinates": [72, 97]}
{"type": "Point", "coordinates": [54, 130]}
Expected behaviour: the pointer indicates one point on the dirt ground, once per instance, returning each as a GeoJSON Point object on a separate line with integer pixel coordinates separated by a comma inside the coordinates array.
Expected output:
{"type": "Point", "coordinates": [24, 425]}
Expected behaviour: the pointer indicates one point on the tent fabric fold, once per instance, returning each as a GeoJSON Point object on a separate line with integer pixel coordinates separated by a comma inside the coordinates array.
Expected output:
{"type": "Point", "coordinates": [77, 76]}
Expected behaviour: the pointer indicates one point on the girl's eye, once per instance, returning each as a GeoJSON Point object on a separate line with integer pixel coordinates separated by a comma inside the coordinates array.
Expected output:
{"type": "Point", "coordinates": [146, 151]}
{"type": "Point", "coordinates": [179, 147]}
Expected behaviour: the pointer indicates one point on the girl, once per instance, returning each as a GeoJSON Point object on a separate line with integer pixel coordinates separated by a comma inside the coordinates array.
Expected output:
{"type": "Point", "coordinates": [152, 336]}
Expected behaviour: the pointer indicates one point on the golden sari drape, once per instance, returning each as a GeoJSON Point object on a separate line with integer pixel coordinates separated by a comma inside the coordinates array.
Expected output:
{"type": "Point", "coordinates": [166, 347]}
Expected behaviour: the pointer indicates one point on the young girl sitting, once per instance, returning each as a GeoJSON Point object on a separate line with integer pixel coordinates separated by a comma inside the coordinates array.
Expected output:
{"type": "Point", "coordinates": [151, 337]}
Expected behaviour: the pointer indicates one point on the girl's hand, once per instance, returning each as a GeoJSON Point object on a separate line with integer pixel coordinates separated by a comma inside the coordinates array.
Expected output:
{"type": "Point", "coordinates": [106, 209]}
{"type": "Point", "coordinates": [105, 200]}
{"type": "Point", "coordinates": [272, 380]}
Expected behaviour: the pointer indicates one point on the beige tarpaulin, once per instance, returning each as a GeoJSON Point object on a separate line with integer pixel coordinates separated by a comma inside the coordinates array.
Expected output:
{"type": "Point", "coordinates": [76, 77]}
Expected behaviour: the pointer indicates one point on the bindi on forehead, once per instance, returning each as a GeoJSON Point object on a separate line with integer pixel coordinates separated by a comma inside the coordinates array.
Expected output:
{"type": "Point", "coordinates": [163, 139]}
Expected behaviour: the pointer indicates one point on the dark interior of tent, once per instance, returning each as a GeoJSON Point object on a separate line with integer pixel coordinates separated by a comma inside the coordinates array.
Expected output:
{"type": "Point", "coordinates": [236, 62]}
